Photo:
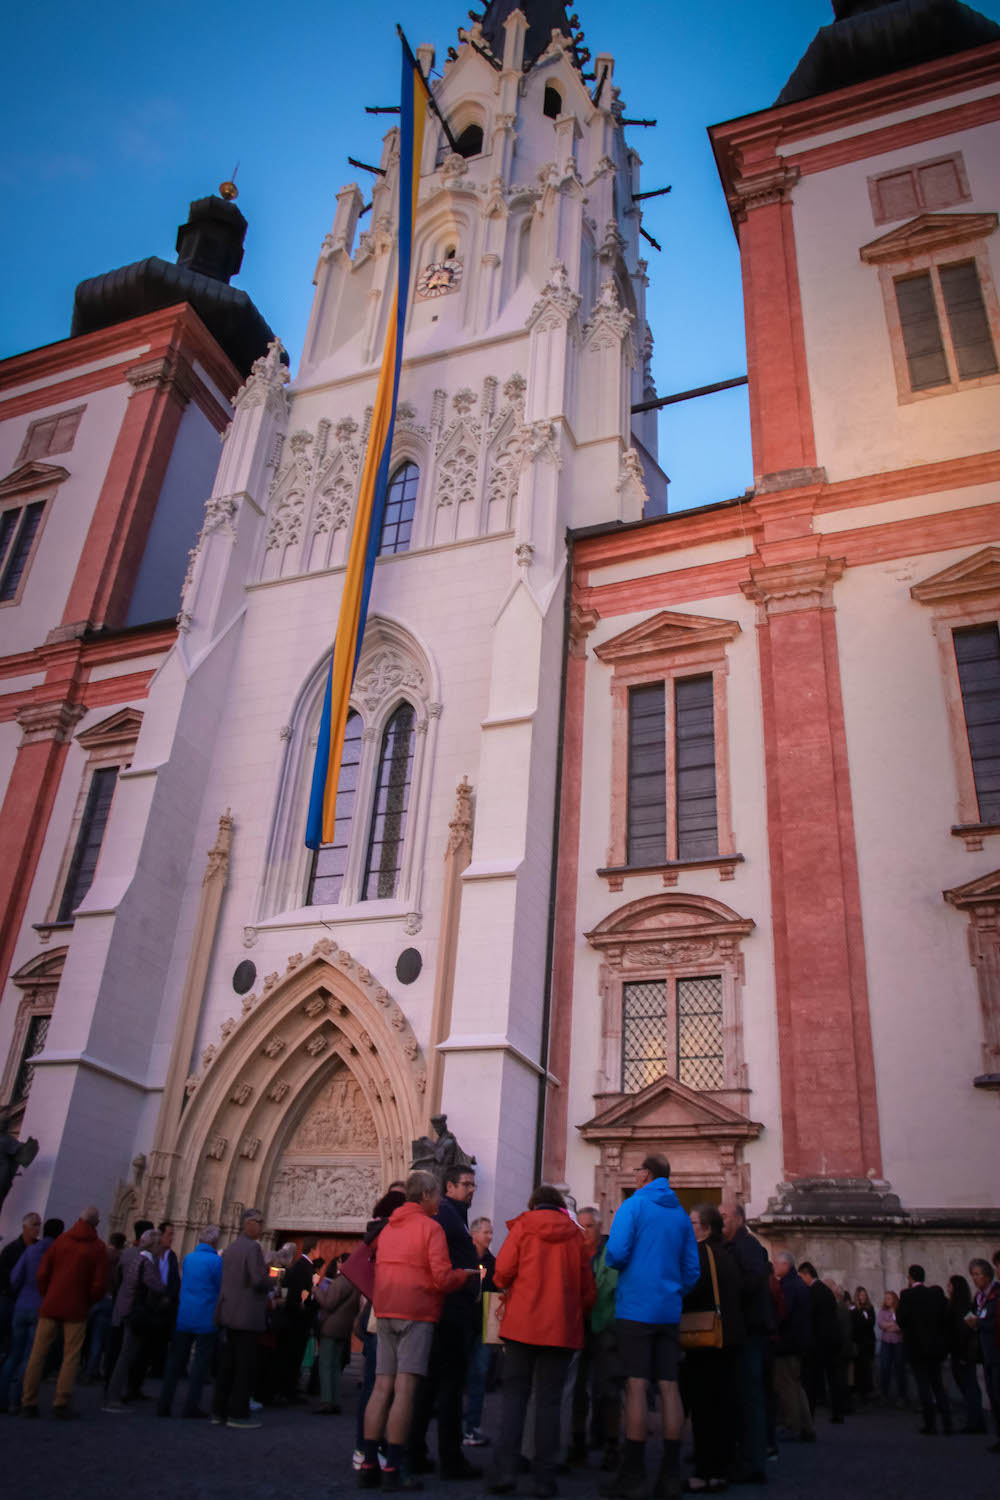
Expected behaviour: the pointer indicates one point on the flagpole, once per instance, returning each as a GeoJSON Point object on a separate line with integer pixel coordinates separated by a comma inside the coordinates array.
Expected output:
{"type": "Point", "coordinates": [430, 95]}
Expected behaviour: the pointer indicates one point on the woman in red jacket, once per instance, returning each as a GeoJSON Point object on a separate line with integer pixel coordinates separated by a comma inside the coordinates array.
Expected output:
{"type": "Point", "coordinates": [544, 1268]}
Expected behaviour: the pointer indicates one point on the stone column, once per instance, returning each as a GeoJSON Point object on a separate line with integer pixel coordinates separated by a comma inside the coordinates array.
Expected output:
{"type": "Point", "coordinates": [212, 889]}
{"type": "Point", "coordinates": [828, 1102]}
{"type": "Point", "coordinates": [781, 426]}
{"type": "Point", "coordinates": [456, 859]}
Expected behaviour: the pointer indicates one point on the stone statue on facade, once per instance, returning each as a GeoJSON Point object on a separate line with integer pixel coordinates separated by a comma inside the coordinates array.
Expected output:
{"type": "Point", "coordinates": [14, 1154]}
{"type": "Point", "coordinates": [439, 1154]}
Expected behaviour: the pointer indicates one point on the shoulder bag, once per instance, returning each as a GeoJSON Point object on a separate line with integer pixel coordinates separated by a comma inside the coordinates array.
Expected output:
{"type": "Point", "coordinates": [703, 1330]}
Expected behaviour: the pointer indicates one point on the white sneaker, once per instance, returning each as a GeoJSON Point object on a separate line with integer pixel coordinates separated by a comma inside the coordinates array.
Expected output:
{"type": "Point", "coordinates": [357, 1458]}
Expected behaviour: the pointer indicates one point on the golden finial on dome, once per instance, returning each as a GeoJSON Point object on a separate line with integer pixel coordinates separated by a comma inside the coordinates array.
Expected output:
{"type": "Point", "coordinates": [229, 190]}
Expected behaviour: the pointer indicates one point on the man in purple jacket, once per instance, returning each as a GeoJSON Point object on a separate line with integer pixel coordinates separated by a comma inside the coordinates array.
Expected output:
{"type": "Point", "coordinates": [27, 1301]}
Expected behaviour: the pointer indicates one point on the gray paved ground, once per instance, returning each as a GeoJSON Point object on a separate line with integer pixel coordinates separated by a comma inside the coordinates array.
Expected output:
{"type": "Point", "coordinates": [296, 1456]}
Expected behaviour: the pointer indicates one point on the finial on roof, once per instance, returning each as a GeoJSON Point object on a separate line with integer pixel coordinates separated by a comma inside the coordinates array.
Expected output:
{"type": "Point", "coordinates": [228, 190]}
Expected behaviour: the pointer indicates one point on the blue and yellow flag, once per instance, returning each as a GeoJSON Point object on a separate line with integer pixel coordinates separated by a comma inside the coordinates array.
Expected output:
{"type": "Point", "coordinates": [374, 481]}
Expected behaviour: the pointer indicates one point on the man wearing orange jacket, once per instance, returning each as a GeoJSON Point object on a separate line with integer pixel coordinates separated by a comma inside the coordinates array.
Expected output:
{"type": "Point", "coordinates": [413, 1274]}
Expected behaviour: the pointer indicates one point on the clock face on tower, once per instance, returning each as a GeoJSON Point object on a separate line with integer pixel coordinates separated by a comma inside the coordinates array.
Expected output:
{"type": "Point", "coordinates": [440, 277]}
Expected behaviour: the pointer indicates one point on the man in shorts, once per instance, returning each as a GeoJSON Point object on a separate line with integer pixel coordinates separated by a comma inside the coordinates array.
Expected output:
{"type": "Point", "coordinates": [653, 1249]}
{"type": "Point", "coordinates": [413, 1273]}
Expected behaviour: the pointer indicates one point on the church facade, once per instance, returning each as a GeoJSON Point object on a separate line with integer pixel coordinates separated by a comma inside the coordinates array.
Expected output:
{"type": "Point", "coordinates": [626, 853]}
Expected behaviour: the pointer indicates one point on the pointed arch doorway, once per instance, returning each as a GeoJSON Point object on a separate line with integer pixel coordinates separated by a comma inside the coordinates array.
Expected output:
{"type": "Point", "coordinates": [307, 1107]}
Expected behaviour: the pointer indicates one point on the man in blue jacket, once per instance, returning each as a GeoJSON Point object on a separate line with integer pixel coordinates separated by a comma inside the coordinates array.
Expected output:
{"type": "Point", "coordinates": [652, 1247]}
{"type": "Point", "coordinates": [201, 1279]}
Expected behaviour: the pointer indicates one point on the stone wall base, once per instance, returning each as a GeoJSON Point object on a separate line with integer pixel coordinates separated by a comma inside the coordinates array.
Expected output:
{"type": "Point", "coordinates": [859, 1234]}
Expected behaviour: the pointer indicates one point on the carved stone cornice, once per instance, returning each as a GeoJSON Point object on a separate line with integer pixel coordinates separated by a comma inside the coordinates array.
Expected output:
{"type": "Point", "coordinates": [49, 721]}
{"type": "Point", "coordinates": [582, 621]}
{"type": "Point", "coordinates": [266, 383]}
{"type": "Point", "coordinates": [168, 373]}
{"type": "Point", "coordinates": [763, 189]}
{"type": "Point", "coordinates": [787, 587]}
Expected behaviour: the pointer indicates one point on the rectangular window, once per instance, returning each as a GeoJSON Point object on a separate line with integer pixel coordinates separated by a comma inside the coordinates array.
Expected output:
{"type": "Point", "coordinates": [89, 840]}
{"type": "Point", "coordinates": [967, 321]}
{"type": "Point", "coordinates": [18, 529]}
{"type": "Point", "coordinates": [977, 654]}
{"type": "Point", "coordinates": [647, 775]}
{"type": "Point", "coordinates": [34, 1043]}
{"type": "Point", "coordinates": [958, 345]}
{"type": "Point", "coordinates": [699, 1032]}
{"type": "Point", "coordinates": [672, 1028]}
{"type": "Point", "coordinates": [694, 727]}
{"type": "Point", "coordinates": [922, 340]}
{"type": "Point", "coordinates": [51, 435]}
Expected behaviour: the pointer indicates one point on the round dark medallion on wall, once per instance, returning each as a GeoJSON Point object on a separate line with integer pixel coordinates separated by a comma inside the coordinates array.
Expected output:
{"type": "Point", "coordinates": [244, 976]}
{"type": "Point", "coordinates": [408, 965]}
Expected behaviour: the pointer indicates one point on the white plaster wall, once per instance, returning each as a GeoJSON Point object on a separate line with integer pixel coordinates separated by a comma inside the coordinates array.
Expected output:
{"type": "Point", "coordinates": [927, 1032]}
{"type": "Point", "coordinates": [176, 520]}
{"type": "Point", "coordinates": [57, 552]}
{"type": "Point", "coordinates": [860, 426]}
{"type": "Point", "coordinates": [10, 738]}
{"type": "Point", "coordinates": [748, 894]}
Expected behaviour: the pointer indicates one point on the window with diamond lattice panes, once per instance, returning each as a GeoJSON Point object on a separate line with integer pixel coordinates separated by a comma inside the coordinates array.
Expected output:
{"type": "Point", "coordinates": [672, 1027]}
{"type": "Point", "coordinates": [699, 1032]}
{"type": "Point", "coordinates": [645, 1034]}
{"type": "Point", "coordinates": [34, 1042]}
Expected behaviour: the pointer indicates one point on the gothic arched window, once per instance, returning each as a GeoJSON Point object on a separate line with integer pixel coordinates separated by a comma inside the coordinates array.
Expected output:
{"type": "Point", "coordinates": [552, 102]}
{"type": "Point", "coordinates": [400, 503]}
{"type": "Point", "coordinates": [392, 795]}
{"type": "Point", "coordinates": [330, 861]}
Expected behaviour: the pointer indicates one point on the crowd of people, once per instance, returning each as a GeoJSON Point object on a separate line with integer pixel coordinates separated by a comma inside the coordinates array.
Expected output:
{"type": "Point", "coordinates": [594, 1339]}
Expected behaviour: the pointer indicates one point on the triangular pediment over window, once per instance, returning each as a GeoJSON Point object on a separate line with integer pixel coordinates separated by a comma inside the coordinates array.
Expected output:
{"type": "Point", "coordinates": [983, 892]}
{"type": "Point", "coordinates": [121, 726]}
{"type": "Point", "coordinates": [667, 1110]}
{"type": "Point", "coordinates": [928, 232]}
{"type": "Point", "coordinates": [977, 574]}
{"type": "Point", "coordinates": [31, 476]}
{"type": "Point", "coordinates": [666, 631]}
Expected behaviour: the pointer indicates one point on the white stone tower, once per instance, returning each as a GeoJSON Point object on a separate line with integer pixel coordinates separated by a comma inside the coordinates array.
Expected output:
{"type": "Point", "coordinates": [525, 349]}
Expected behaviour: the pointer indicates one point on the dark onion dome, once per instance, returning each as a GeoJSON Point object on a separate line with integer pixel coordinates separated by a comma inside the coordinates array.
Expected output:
{"type": "Point", "coordinates": [543, 17]}
{"type": "Point", "coordinates": [210, 250]}
{"type": "Point", "coordinates": [869, 39]}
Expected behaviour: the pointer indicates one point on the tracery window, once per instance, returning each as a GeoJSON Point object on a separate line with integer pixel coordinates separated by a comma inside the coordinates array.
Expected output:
{"type": "Point", "coordinates": [330, 862]}
{"type": "Point", "coordinates": [392, 793]}
{"type": "Point", "coordinates": [400, 504]}
{"type": "Point", "coordinates": [673, 1026]}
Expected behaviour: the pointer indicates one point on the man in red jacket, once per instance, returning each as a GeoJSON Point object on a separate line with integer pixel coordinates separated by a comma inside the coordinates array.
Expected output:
{"type": "Point", "coordinates": [413, 1273]}
{"type": "Point", "coordinates": [71, 1279]}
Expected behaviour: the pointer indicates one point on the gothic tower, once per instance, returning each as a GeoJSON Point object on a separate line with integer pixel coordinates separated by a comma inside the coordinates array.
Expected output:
{"type": "Point", "coordinates": [407, 964]}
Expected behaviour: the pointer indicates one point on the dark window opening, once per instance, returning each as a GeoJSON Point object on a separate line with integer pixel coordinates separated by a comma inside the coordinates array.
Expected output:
{"type": "Point", "coordinates": [34, 1043]}
{"type": "Point", "coordinates": [18, 529]}
{"type": "Point", "coordinates": [400, 503]}
{"type": "Point", "coordinates": [470, 142]}
{"type": "Point", "coordinates": [392, 795]}
{"type": "Point", "coordinates": [694, 724]}
{"type": "Point", "coordinates": [967, 320]}
{"type": "Point", "coordinates": [647, 775]}
{"type": "Point", "coordinates": [88, 843]}
{"type": "Point", "coordinates": [330, 861]}
{"type": "Point", "coordinates": [977, 654]}
{"type": "Point", "coordinates": [552, 102]}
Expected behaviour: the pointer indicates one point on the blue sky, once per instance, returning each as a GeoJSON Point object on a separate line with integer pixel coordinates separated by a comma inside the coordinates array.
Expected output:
{"type": "Point", "coordinates": [117, 115]}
